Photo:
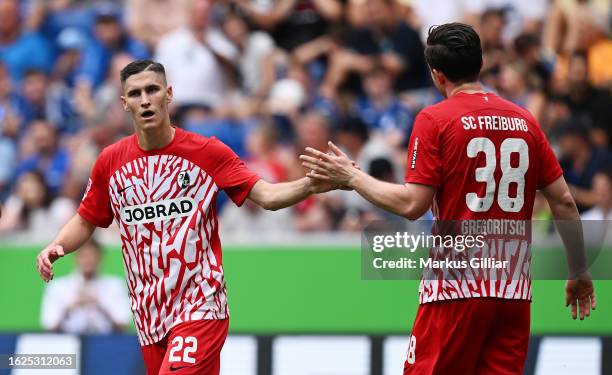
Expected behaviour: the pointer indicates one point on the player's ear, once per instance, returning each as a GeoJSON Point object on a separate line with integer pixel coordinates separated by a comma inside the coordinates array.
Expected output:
{"type": "Point", "coordinates": [169, 94]}
{"type": "Point", "coordinates": [438, 76]}
{"type": "Point", "coordinates": [124, 103]}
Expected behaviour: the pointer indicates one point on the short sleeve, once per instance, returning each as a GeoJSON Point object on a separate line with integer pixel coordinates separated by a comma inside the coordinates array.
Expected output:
{"type": "Point", "coordinates": [229, 172]}
{"type": "Point", "coordinates": [424, 164]}
{"type": "Point", "coordinates": [549, 168]}
{"type": "Point", "coordinates": [95, 206]}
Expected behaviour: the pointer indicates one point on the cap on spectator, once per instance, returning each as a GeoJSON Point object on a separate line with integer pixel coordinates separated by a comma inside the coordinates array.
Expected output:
{"type": "Point", "coordinates": [71, 38]}
{"type": "Point", "coordinates": [286, 95]}
{"type": "Point", "coordinates": [106, 11]}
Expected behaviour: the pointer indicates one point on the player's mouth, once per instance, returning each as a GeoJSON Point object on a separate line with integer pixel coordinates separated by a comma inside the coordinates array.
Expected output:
{"type": "Point", "coordinates": [147, 115]}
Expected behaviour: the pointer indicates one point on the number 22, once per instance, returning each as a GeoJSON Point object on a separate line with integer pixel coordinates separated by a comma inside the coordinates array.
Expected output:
{"type": "Point", "coordinates": [177, 346]}
{"type": "Point", "coordinates": [509, 174]}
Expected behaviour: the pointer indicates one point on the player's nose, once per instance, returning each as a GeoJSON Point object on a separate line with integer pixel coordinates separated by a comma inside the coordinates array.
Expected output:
{"type": "Point", "coordinates": [145, 100]}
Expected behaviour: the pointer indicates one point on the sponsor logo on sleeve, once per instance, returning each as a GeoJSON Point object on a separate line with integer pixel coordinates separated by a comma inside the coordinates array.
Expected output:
{"type": "Point", "coordinates": [414, 153]}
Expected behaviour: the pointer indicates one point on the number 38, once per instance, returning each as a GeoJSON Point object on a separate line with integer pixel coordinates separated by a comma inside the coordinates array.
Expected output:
{"type": "Point", "coordinates": [509, 174]}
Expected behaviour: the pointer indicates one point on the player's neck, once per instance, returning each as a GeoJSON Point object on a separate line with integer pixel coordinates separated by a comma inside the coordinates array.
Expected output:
{"type": "Point", "coordinates": [157, 138]}
{"type": "Point", "coordinates": [468, 88]}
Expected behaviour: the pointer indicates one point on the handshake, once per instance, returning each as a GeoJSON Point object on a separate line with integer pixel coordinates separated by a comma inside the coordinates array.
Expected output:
{"type": "Point", "coordinates": [331, 170]}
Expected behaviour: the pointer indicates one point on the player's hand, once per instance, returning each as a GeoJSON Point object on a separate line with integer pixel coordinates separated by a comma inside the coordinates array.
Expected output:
{"type": "Point", "coordinates": [580, 294]}
{"type": "Point", "coordinates": [45, 259]}
{"type": "Point", "coordinates": [335, 167]}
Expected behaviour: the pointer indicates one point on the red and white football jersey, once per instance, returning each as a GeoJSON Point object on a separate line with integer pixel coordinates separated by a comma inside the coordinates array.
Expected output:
{"type": "Point", "coordinates": [487, 157]}
{"type": "Point", "coordinates": [164, 204]}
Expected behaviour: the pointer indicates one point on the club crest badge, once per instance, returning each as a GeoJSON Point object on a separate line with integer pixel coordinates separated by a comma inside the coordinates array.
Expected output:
{"type": "Point", "coordinates": [184, 180]}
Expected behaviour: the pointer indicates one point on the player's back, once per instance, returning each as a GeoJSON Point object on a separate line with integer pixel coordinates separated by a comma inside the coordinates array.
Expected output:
{"type": "Point", "coordinates": [486, 156]}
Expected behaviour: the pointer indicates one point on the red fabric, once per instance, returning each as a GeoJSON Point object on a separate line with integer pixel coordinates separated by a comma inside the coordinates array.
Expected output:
{"type": "Point", "coordinates": [470, 336]}
{"type": "Point", "coordinates": [204, 337]}
{"type": "Point", "coordinates": [438, 156]}
{"type": "Point", "coordinates": [210, 154]}
{"type": "Point", "coordinates": [163, 202]}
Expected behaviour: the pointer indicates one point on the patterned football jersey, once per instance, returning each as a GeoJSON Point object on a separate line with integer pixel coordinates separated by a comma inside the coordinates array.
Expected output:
{"type": "Point", "coordinates": [163, 202]}
{"type": "Point", "coordinates": [487, 157]}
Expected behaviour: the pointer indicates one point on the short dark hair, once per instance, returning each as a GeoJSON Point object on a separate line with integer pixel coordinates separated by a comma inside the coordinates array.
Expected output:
{"type": "Point", "coordinates": [455, 50]}
{"type": "Point", "coordinates": [353, 124]}
{"type": "Point", "coordinates": [140, 66]}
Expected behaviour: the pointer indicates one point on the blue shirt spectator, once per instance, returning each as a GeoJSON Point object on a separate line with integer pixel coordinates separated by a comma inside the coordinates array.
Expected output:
{"type": "Point", "coordinates": [380, 107]}
{"type": "Point", "coordinates": [21, 51]}
{"type": "Point", "coordinates": [109, 38]}
{"type": "Point", "coordinates": [52, 161]}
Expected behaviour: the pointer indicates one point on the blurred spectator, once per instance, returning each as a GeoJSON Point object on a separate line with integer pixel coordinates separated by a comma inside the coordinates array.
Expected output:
{"type": "Point", "coordinates": [254, 48]}
{"type": "Point", "coordinates": [580, 25]}
{"type": "Point", "coordinates": [580, 161]}
{"type": "Point", "coordinates": [21, 51]}
{"type": "Point", "coordinates": [85, 301]}
{"type": "Point", "coordinates": [32, 208]}
{"type": "Point", "coordinates": [101, 108]}
{"type": "Point", "coordinates": [517, 85]}
{"type": "Point", "coordinates": [602, 188]}
{"type": "Point", "coordinates": [528, 50]}
{"type": "Point", "coordinates": [383, 40]}
{"type": "Point", "coordinates": [194, 57]}
{"type": "Point", "coordinates": [300, 68]}
{"type": "Point", "coordinates": [356, 219]}
{"type": "Point", "coordinates": [109, 39]}
{"type": "Point", "coordinates": [70, 42]}
{"type": "Point", "coordinates": [263, 159]}
{"type": "Point", "coordinates": [353, 137]}
{"type": "Point", "coordinates": [312, 129]}
{"type": "Point", "coordinates": [37, 105]}
{"type": "Point", "coordinates": [491, 26]}
{"type": "Point", "coordinates": [149, 20]}
{"type": "Point", "coordinates": [380, 107]}
{"type": "Point", "coordinates": [44, 154]}
{"type": "Point", "coordinates": [430, 13]}
{"type": "Point", "coordinates": [292, 23]}
{"type": "Point", "coordinates": [587, 104]}
{"type": "Point", "coordinates": [9, 129]}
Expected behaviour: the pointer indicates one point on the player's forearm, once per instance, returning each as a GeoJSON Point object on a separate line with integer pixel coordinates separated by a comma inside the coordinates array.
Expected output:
{"type": "Point", "coordinates": [74, 234]}
{"type": "Point", "coordinates": [567, 221]}
{"type": "Point", "coordinates": [286, 194]}
{"type": "Point", "coordinates": [394, 198]}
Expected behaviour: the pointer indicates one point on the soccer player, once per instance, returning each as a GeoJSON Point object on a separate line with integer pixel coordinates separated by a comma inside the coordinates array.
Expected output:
{"type": "Point", "coordinates": [160, 186]}
{"type": "Point", "coordinates": [474, 156]}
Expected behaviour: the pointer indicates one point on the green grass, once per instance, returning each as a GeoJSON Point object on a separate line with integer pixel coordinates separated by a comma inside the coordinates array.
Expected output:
{"type": "Point", "coordinates": [297, 291]}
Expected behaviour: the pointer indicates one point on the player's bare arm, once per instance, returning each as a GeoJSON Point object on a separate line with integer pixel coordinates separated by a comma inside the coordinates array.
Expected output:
{"type": "Point", "coordinates": [409, 200]}
{"type": "Point", "coordinates": [74, 234]}
{"type": "Point", "coordinates": [579, 290]}
{"type": "Point", "coordinates": [284, 194]}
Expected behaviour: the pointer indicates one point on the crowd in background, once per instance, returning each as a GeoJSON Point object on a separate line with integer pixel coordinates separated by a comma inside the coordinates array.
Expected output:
{"type": "Point", "coordinates": [270, 77]}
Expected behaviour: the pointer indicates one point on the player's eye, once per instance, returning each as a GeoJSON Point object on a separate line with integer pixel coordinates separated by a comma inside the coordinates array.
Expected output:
{"type": "Point", "coordinates": [152, 89]}
{"type": "Point", "coordinates": [133, 94]}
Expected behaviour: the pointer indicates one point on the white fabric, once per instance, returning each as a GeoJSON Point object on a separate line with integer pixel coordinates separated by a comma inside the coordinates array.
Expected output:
{"type": "Point", "coordinates": [596, 213]}
{"type": "Point", "coordinates": [191, 67]}
{"type": "Point", "coordinates": [61, 293]}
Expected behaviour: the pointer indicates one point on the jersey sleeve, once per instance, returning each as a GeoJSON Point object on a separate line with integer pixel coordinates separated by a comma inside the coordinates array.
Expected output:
{"type": "Point", "coordinates": [230, 173]}
{"type": "Point", "coordinates": [548, 165]}
{"type": "Point", "coordinates": [95, 206]}
{"type": "Point", "coordinates": [424, 164]}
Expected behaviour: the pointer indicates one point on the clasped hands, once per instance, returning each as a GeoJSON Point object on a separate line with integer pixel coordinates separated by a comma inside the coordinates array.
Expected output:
{"type": "Point", "coordinates": [334, 168]}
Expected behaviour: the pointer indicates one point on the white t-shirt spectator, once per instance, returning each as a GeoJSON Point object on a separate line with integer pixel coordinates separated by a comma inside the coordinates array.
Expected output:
{"type": "Point", "coordinates": [59, 298]}
{"type": "Point", "coordinates": [192, 68]}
